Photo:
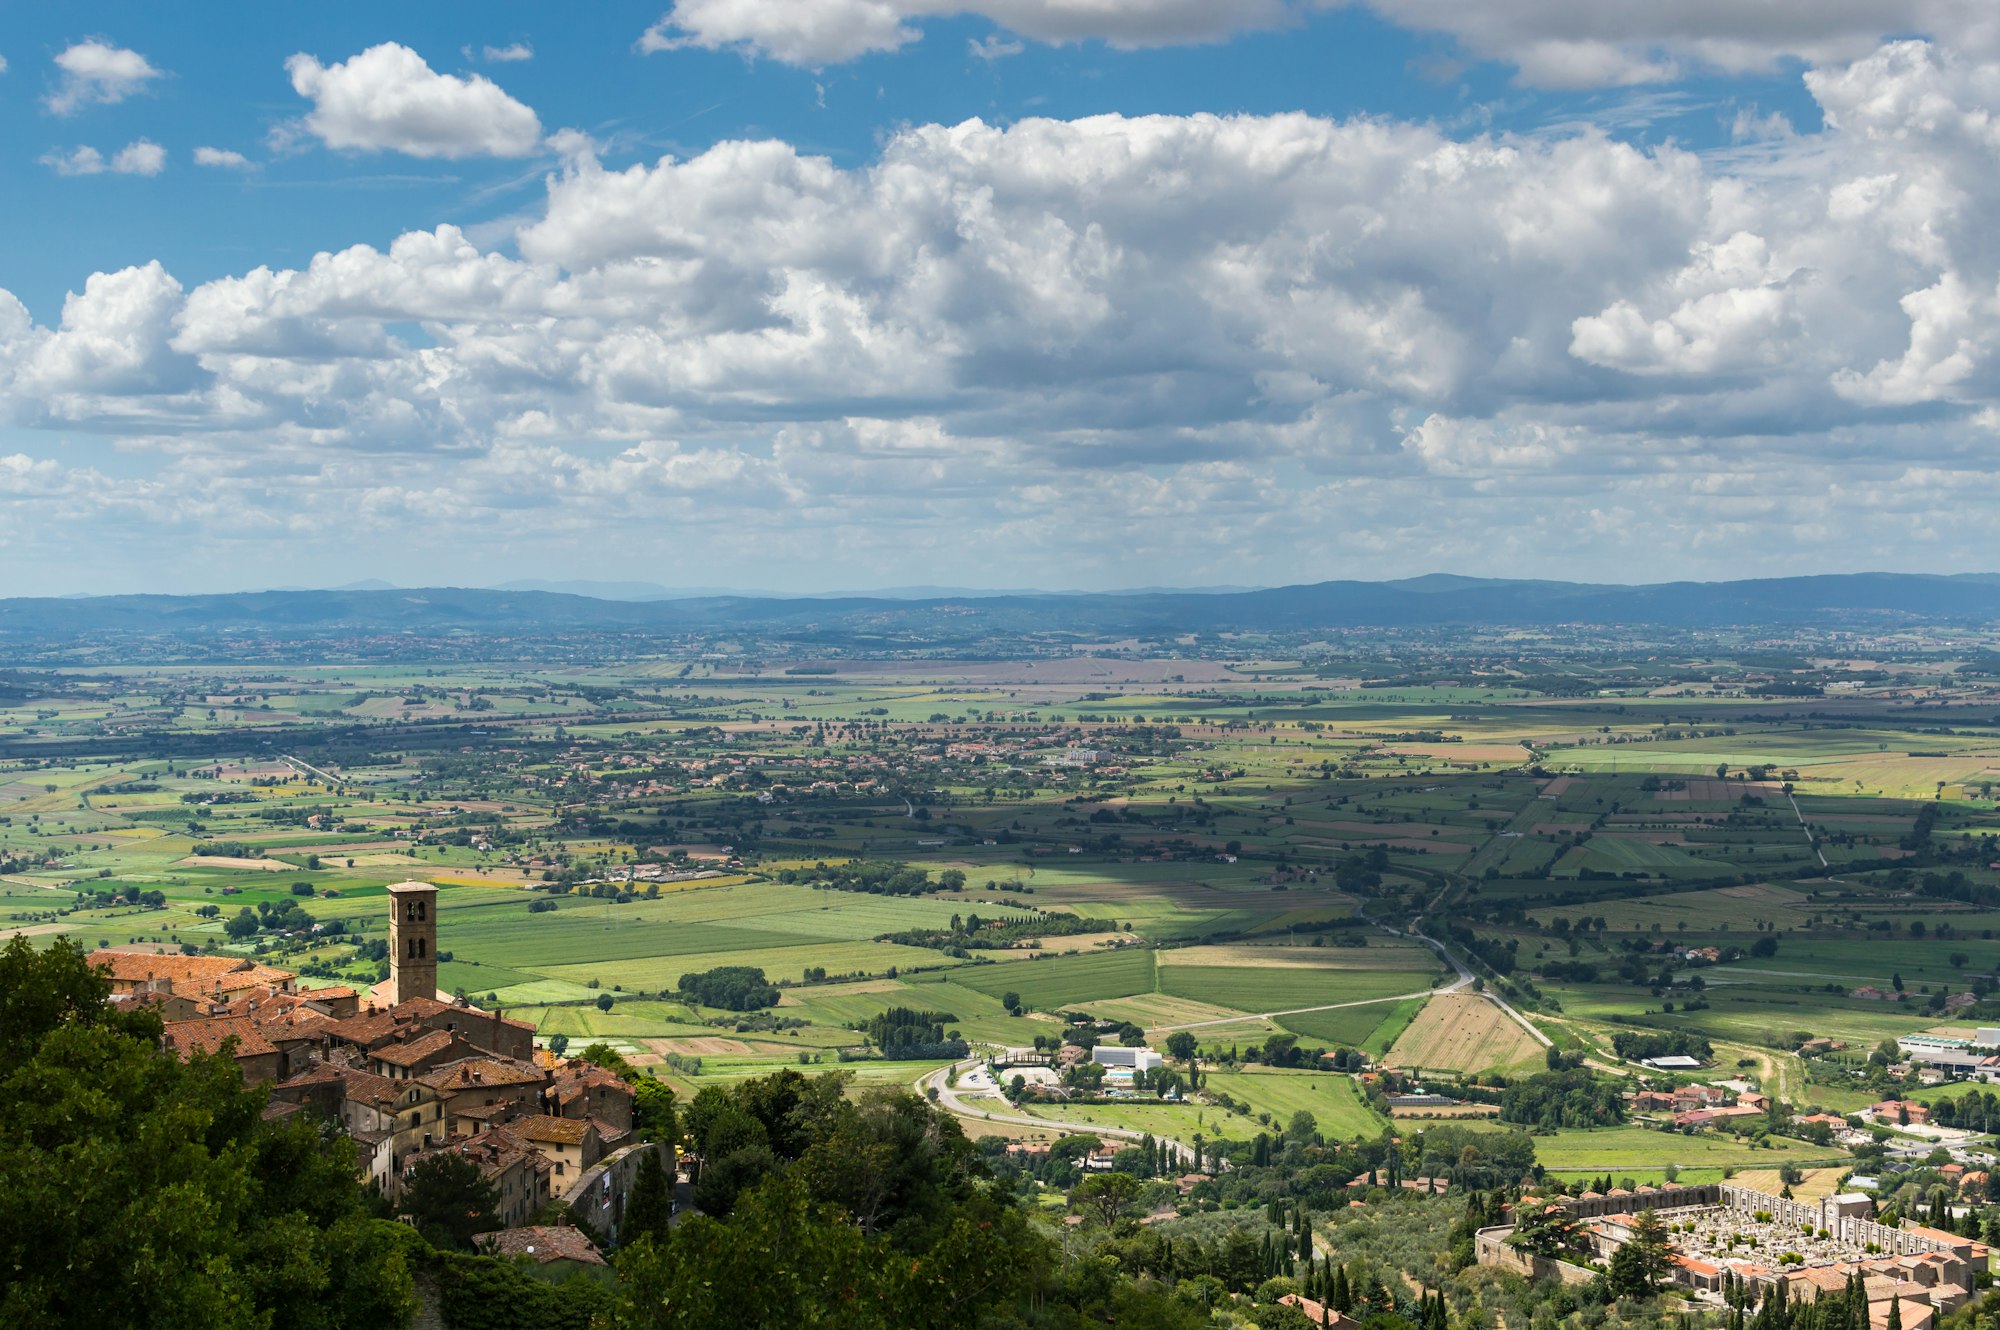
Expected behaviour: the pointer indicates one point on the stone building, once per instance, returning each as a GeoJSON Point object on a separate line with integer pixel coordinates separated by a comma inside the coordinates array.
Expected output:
{"type": "Point", "coordinates": [413, 967]}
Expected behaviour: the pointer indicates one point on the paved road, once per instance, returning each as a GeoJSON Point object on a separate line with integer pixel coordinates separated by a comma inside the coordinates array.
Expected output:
{"type": "Point", "coordinates": [1300, 1011]}
{"type": "Point", "coordinates": [1465, 975]}
{"type": "Point", "coordinates": [1412, 932]}
{"type": "Point", "coordinates": [1415, 933]}
{"type": "Point", "coordinates": [309, 769]}
{"type": "Point", "coordinates": [954, 1101]}
{"type": "Point", "coordinates": [1807, 828]}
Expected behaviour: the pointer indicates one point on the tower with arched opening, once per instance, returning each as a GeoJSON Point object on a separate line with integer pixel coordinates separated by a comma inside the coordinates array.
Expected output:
{"type": "Point", "coordinates": [413, 967]}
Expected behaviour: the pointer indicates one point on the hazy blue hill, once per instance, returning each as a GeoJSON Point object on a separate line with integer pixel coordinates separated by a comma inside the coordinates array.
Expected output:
{"type": "Point", "coordinates": [1438, 600]}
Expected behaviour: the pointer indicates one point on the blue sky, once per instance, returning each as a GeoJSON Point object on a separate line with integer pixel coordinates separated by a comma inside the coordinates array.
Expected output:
{"type": "Point", "coordinates": [999, 292]}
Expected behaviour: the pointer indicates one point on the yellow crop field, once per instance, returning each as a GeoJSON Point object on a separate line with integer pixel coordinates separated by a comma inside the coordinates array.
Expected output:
{"type": "Point", "coordinates": [1464, 1033]}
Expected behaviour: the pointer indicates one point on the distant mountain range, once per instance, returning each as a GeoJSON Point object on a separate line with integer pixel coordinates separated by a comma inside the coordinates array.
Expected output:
{"type": "Point", "coordinates": [1434, 600]}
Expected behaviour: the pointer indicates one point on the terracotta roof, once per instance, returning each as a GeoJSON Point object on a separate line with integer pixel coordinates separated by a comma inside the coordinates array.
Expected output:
{"type": "Point", "coordinates": [412, 1051]}
{"type": "Point", "coordinates": [469, 1072]}
{"type": "Point", "coordinates": [1317, 1312]}
{"type": "Point", "coordinates": [575, 1074]}
{"type": "Point", "coordinates": [495, 1152]}
{"type": "Point", "coordinates": [540, 1244]}
{"type": "Point", "coordinates": [1828, 1279]}
{"type": "Point", "coordinates": [207, 1034]}
{"type": "Point", "coordinates": [293, 1023]}
{"type": "Point", "coordinates": [365, 1087]}
{"type": "Point", "coordinates": [189, 973]}
{"type": "Point", "coordinates": [367, 1029]}
{"type": "Point", "coordinates": [1939, 1235]}
{"type": "Point", "coordinates": [319, 1073]}
{"type": "Point", "coordinates": [542, 1127]}
{"type": "Point", "coordinates": [481, 1112]}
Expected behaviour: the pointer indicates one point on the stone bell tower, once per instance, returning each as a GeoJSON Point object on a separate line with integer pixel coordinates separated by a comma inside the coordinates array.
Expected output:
{"type": "Point", "coordinates": [413, 967]}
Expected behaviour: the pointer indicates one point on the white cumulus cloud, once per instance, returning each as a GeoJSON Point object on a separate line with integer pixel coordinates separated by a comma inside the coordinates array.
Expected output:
{"type": "Point", "coordinates": [1553, 43]}
{"type": "Point", "coordinates": [226, 158]}
{"type": "Point", "coordinates": [1270, 340]}
{"type": "Point", "coordinates": [97, 73]}
{"type": "Point", "coordinates": [388, 99]}
{"type": "Point", "coordinates": [1560, 43]}
{"type": "Point", "coordinates": [825, 32]}
{"type": "Point", "coordinates": [142, 157]}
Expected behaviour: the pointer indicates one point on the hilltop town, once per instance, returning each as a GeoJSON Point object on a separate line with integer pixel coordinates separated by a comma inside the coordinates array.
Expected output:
{"type": "Point", "coordinates": [406, 1073]}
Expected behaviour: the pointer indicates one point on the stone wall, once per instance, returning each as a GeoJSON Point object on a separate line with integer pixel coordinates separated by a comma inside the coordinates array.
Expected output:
{"type": "Point", "coordinates": [1853, 1229]}
{"type": "Point", "coordinates": [1490, 1247]}
{"type": "Point", "coordinates": [1670, 1197]}
{"type": "Point", "coordinates": [597, 1198]}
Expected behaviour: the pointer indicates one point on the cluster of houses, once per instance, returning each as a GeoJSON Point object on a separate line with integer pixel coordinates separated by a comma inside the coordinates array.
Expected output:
{"type": "Point", "coordinates": [1953, 1004]}
{"type": "Point", "coordinates": [405, 1077]}
{"type": "Point", "coordinates": [1935, 1059]}
{"type": "Point", "coordinates": [1698, 1106]}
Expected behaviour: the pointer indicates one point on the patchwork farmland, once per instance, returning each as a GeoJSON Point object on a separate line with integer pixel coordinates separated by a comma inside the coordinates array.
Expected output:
{"type": "Point", "coordinates": [1231, 849]}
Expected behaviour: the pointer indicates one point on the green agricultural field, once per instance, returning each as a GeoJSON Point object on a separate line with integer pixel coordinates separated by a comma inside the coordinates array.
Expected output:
{"type": "Point", "coordinates": [1625, 1151]}
{"type": "Point", "coordinates": [1618, 1150]}
{"type": "Point", "coordinates": [655, 973]}
{"type": "Point", "coordinates": [1065, 981]}
{"type": "Point", "coordinates": [1371, 1028]}
{"type": "Point", "coordinates": [1225, 825]}
{"type": "Point", "coordinates": [1329, 1096]}
{"type": "Point", "coordinates": [1181, 1122]}
{"type": "Point", "coordinates": [1280, 988]}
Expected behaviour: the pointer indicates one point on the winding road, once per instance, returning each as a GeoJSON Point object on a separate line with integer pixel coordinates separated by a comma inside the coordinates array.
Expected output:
{"type": "Point", "coordinates": [953, 1099]}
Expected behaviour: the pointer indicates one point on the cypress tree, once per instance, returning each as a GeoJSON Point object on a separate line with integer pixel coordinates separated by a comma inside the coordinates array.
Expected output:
{"type": "Point", "coordinates": [649, 1210]}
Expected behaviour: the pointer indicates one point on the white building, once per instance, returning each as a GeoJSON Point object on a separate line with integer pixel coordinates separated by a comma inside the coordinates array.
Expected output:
{"type": "Point", "coordinates": [1132, 1059]}
{"type": "Point", "coordinates": [1956, 1057]}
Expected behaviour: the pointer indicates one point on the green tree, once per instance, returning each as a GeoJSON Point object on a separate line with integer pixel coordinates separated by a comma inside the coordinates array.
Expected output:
{"type": "Point", "coordinates": [609, 1058]}
{"type": "Point", "coordinates": [243, 925]}
{"type": "Point", "coordinates": [653, 1109]}
{"type": "Point", "coordinates": [786, 1262]}
{"type": "Point", "coordinates": [1550, 1231]}
{"type": "Point", "coordinates": [649, 1210]}
{"type": "Point", "coordinates": [1181, 1045]}
{"type": "Point", "coordinates": [449, 1199]}
{"type": "Point", "coordinates": [1643, 1263]}
{"type": "Point", "coordinates": [1104, 1196]}
{"type": "Point", "coordinates": [140, 1190]}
